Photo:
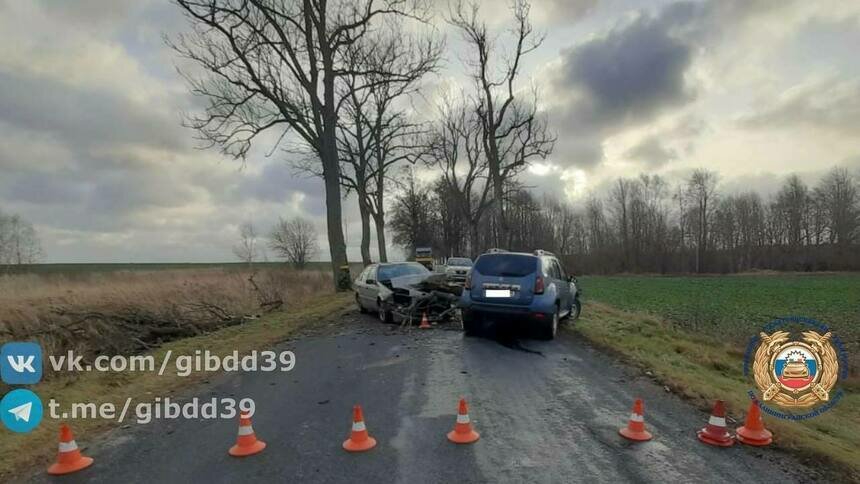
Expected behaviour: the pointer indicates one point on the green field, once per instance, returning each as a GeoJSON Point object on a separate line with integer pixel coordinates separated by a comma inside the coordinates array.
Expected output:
{"type": "Point", "coordinates": [734, 307]}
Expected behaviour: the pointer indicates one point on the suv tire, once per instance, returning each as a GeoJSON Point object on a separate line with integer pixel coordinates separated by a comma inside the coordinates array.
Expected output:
{"type": "Point", "coordinates": [550, 328]}
{"type": "Point", "coordinates": [361, 307]}
{"type": "Point", "coordinates": [575, 310]}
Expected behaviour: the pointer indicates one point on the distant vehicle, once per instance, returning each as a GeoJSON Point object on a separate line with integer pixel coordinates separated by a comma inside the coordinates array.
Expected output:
{"type": "Point", "coordinates": [456, 268]}
{"type": "Point", "coordinates": [374, 285]}
{"type": "Point", "coordinates": [424, 256]}
{"type": "Point", "coordinates": [531, 289]}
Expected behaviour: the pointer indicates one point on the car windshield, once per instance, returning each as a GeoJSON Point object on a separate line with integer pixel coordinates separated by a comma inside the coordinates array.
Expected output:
{"type": "Point", "coordinates": [387, 273]}
{"type": "Point", "coordinates": [506, 265]}
{"type": "Point", "coordinates": [460, 261]}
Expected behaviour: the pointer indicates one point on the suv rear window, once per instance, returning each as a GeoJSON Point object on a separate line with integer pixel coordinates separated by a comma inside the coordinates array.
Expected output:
{"type": "Point", "coordinates": [506, 265]}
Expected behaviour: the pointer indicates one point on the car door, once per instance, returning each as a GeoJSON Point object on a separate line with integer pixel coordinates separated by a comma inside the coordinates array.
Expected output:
{"type": "Point", "coordinates": [368, 287]}
{"type": "Point", "coordinates": [565, 294]}
{"type": "Point", "coordinates": [359, 286]}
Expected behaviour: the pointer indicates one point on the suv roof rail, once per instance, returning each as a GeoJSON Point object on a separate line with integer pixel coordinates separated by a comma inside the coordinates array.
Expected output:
{"type": "Point", "coordinates": [494, 250]}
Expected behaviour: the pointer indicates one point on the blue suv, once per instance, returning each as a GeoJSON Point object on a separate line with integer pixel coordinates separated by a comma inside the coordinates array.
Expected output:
{"type": "Point", "coordinates": [524, 288]}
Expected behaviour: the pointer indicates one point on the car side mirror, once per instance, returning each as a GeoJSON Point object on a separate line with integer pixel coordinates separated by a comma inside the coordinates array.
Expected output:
{"type": "Point", "coordinates": [370, 281]}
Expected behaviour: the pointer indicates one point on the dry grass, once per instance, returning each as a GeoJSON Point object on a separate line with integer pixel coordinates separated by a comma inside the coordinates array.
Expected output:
{"type": "Point", "coordinates": [145, 286]}
{"type": "Point", "coordinates": [23, 452]}
{"type": "Point", "coordinates": [115, 312]}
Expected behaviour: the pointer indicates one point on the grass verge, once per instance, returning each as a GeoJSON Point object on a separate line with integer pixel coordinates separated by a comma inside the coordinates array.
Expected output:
{"type": "Point", "coordinates": [704, 369]}
{"type": "Point", "coordinates": [20, 452]}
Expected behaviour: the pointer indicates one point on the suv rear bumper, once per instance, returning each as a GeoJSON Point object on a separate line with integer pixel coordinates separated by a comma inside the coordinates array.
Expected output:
{"type": "Point", "coordinates": [506, 313]}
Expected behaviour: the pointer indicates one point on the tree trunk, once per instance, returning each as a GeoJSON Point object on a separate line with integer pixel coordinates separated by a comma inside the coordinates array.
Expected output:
{"type": "Point", "coordinates": [365, 228]}
{"type": "Point", "coordinates": [474, 234]}
{"type": "Point", "coordinates": [331, 177]}
{"type": "Point", "coordinates": [379, 219]}
{"type": "Point", "coordinates": [499, 210]}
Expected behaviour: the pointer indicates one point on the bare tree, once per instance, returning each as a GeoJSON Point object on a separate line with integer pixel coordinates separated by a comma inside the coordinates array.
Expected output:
{"type": "Point", "coordinates": [376, 131]}
{"type": "Point", "coordinates": [247, 249]}
{"type": "Point", "coordinates": [458, 152]}
{"type": "Point", "coordinates": [839, 194]}
{"type": "Point", "coordinates": [791, 205]}
{"type": "Point", "coordinates": [512, 131]}
{"type": "Point", "coordinates": [620, 206]}
{"type": "Point", "coordinates": [279, 64]}
{"type": "Point", "coordinates": [19, 242]}
{"type": "Point", "coordinates": [701, 191]}
{"type": "Point", "coordinates": [294, 240]}
{"type": "Point", "coordinates": [413, 221]}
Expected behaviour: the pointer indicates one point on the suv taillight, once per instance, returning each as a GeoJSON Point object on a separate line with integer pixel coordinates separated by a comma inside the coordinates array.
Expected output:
{"type": "Point", "coordinates": [468, 282]}
{"type": "Point", "coordinates": [539, 284]}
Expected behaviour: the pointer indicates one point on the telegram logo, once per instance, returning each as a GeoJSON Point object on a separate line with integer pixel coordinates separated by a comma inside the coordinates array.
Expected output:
{"type": "Point", "coordinates": [21, 410]}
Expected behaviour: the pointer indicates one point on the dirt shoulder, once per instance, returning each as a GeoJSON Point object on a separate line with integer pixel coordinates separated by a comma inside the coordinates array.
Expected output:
{"type": "Point", "coordinates": [20, 452]}
{"type": "Point", "coordinates": [702, 370]}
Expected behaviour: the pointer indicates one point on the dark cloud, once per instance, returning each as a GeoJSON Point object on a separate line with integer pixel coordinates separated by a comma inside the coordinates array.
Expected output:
{"type": "Point", "coordinates": [278, 182]}
{"type": "Point", "coordinates": [652, 152]}
{"type": "Point", "coordinates": [630, 74]}
{"type": "Point", "coordinates": [621, 79]}
{"type": "Point", "coordinates": [36, 188]}
{"type": "Point", "coordinates": [83, 117]}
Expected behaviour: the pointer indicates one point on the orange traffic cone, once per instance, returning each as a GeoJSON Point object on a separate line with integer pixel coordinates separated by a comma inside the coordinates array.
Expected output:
{"type": "Point", "coordinates": [715, 432]}
{"type": "Point", "coordinates": [753, 431]}
{"type": "Point", "coordinates": [246, 442]}
{"type": "Point", "coordinates": [635, 429]}
{"type": "Point", "coordinates": [425, 323]}
{"type": "Point", "coordinates": [358, 440]}
{"type": "Point", "coordinates": [69, 458]}
{"type": "Point", "coordinates": [463, 432]}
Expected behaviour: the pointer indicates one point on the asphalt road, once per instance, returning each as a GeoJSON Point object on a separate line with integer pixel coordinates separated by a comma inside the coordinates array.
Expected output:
{"type": "Point", "coordinates": [542, 418]}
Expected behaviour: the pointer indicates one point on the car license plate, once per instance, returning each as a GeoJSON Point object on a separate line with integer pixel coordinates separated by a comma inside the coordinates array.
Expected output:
{"type": "Point", "coordinates": [498, 293]}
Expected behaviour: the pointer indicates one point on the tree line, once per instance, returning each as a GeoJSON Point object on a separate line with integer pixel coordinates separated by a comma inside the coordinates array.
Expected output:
{"type": "Point", "coordinates": [645, 224]}
{"type": "Point", "coordinates": [338, 82]}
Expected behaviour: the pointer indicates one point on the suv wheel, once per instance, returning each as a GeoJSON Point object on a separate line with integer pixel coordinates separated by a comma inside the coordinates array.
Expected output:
{"type": "Point", "coordinates": [384, 313]}
{"type": "Point", "coordinates": [361, 307]}
{"type": "Point", "coordinates": [551, 328]}
{"type": "Point", "coordinates": [575, 309]}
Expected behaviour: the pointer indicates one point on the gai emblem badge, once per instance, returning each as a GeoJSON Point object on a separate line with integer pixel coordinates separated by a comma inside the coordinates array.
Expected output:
{"type": "Point", "coordinates": [794, 373]}
{"type": "Point", "coordinates": [796, 364]}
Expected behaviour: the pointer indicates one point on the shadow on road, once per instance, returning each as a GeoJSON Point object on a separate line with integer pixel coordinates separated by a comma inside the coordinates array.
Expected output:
{"type": "Point", "coordinates": [508, 334]}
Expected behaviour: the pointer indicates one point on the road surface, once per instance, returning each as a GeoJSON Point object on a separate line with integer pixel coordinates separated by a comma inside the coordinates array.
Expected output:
{"type": "Point", "coordinates": [542, 418]}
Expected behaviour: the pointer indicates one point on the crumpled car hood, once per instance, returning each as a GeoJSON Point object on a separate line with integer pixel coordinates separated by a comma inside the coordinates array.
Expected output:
{"type": "Point", "coordinates": [425, 283]}
{"type": "Point", "coordinates": [408, 282]}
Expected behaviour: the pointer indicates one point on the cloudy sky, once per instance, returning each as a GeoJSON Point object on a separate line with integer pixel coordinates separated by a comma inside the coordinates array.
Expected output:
{"type": "Point", "coordinates": [92, 151]}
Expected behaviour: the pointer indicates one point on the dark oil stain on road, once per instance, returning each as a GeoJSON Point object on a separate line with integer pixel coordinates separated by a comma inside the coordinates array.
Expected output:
{"type": "Point", "coordinates": [509, 336]}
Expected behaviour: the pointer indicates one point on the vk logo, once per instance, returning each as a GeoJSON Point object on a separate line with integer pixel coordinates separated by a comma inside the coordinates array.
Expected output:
{"type": "Point", "coordinates": [21, 363]}
{"type": "Point", "coordinates": [21, 410]}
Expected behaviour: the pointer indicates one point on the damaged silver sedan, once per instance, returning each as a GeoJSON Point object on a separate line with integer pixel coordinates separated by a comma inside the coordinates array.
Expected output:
{"type": "Point", "coordinates": [405, 291]}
